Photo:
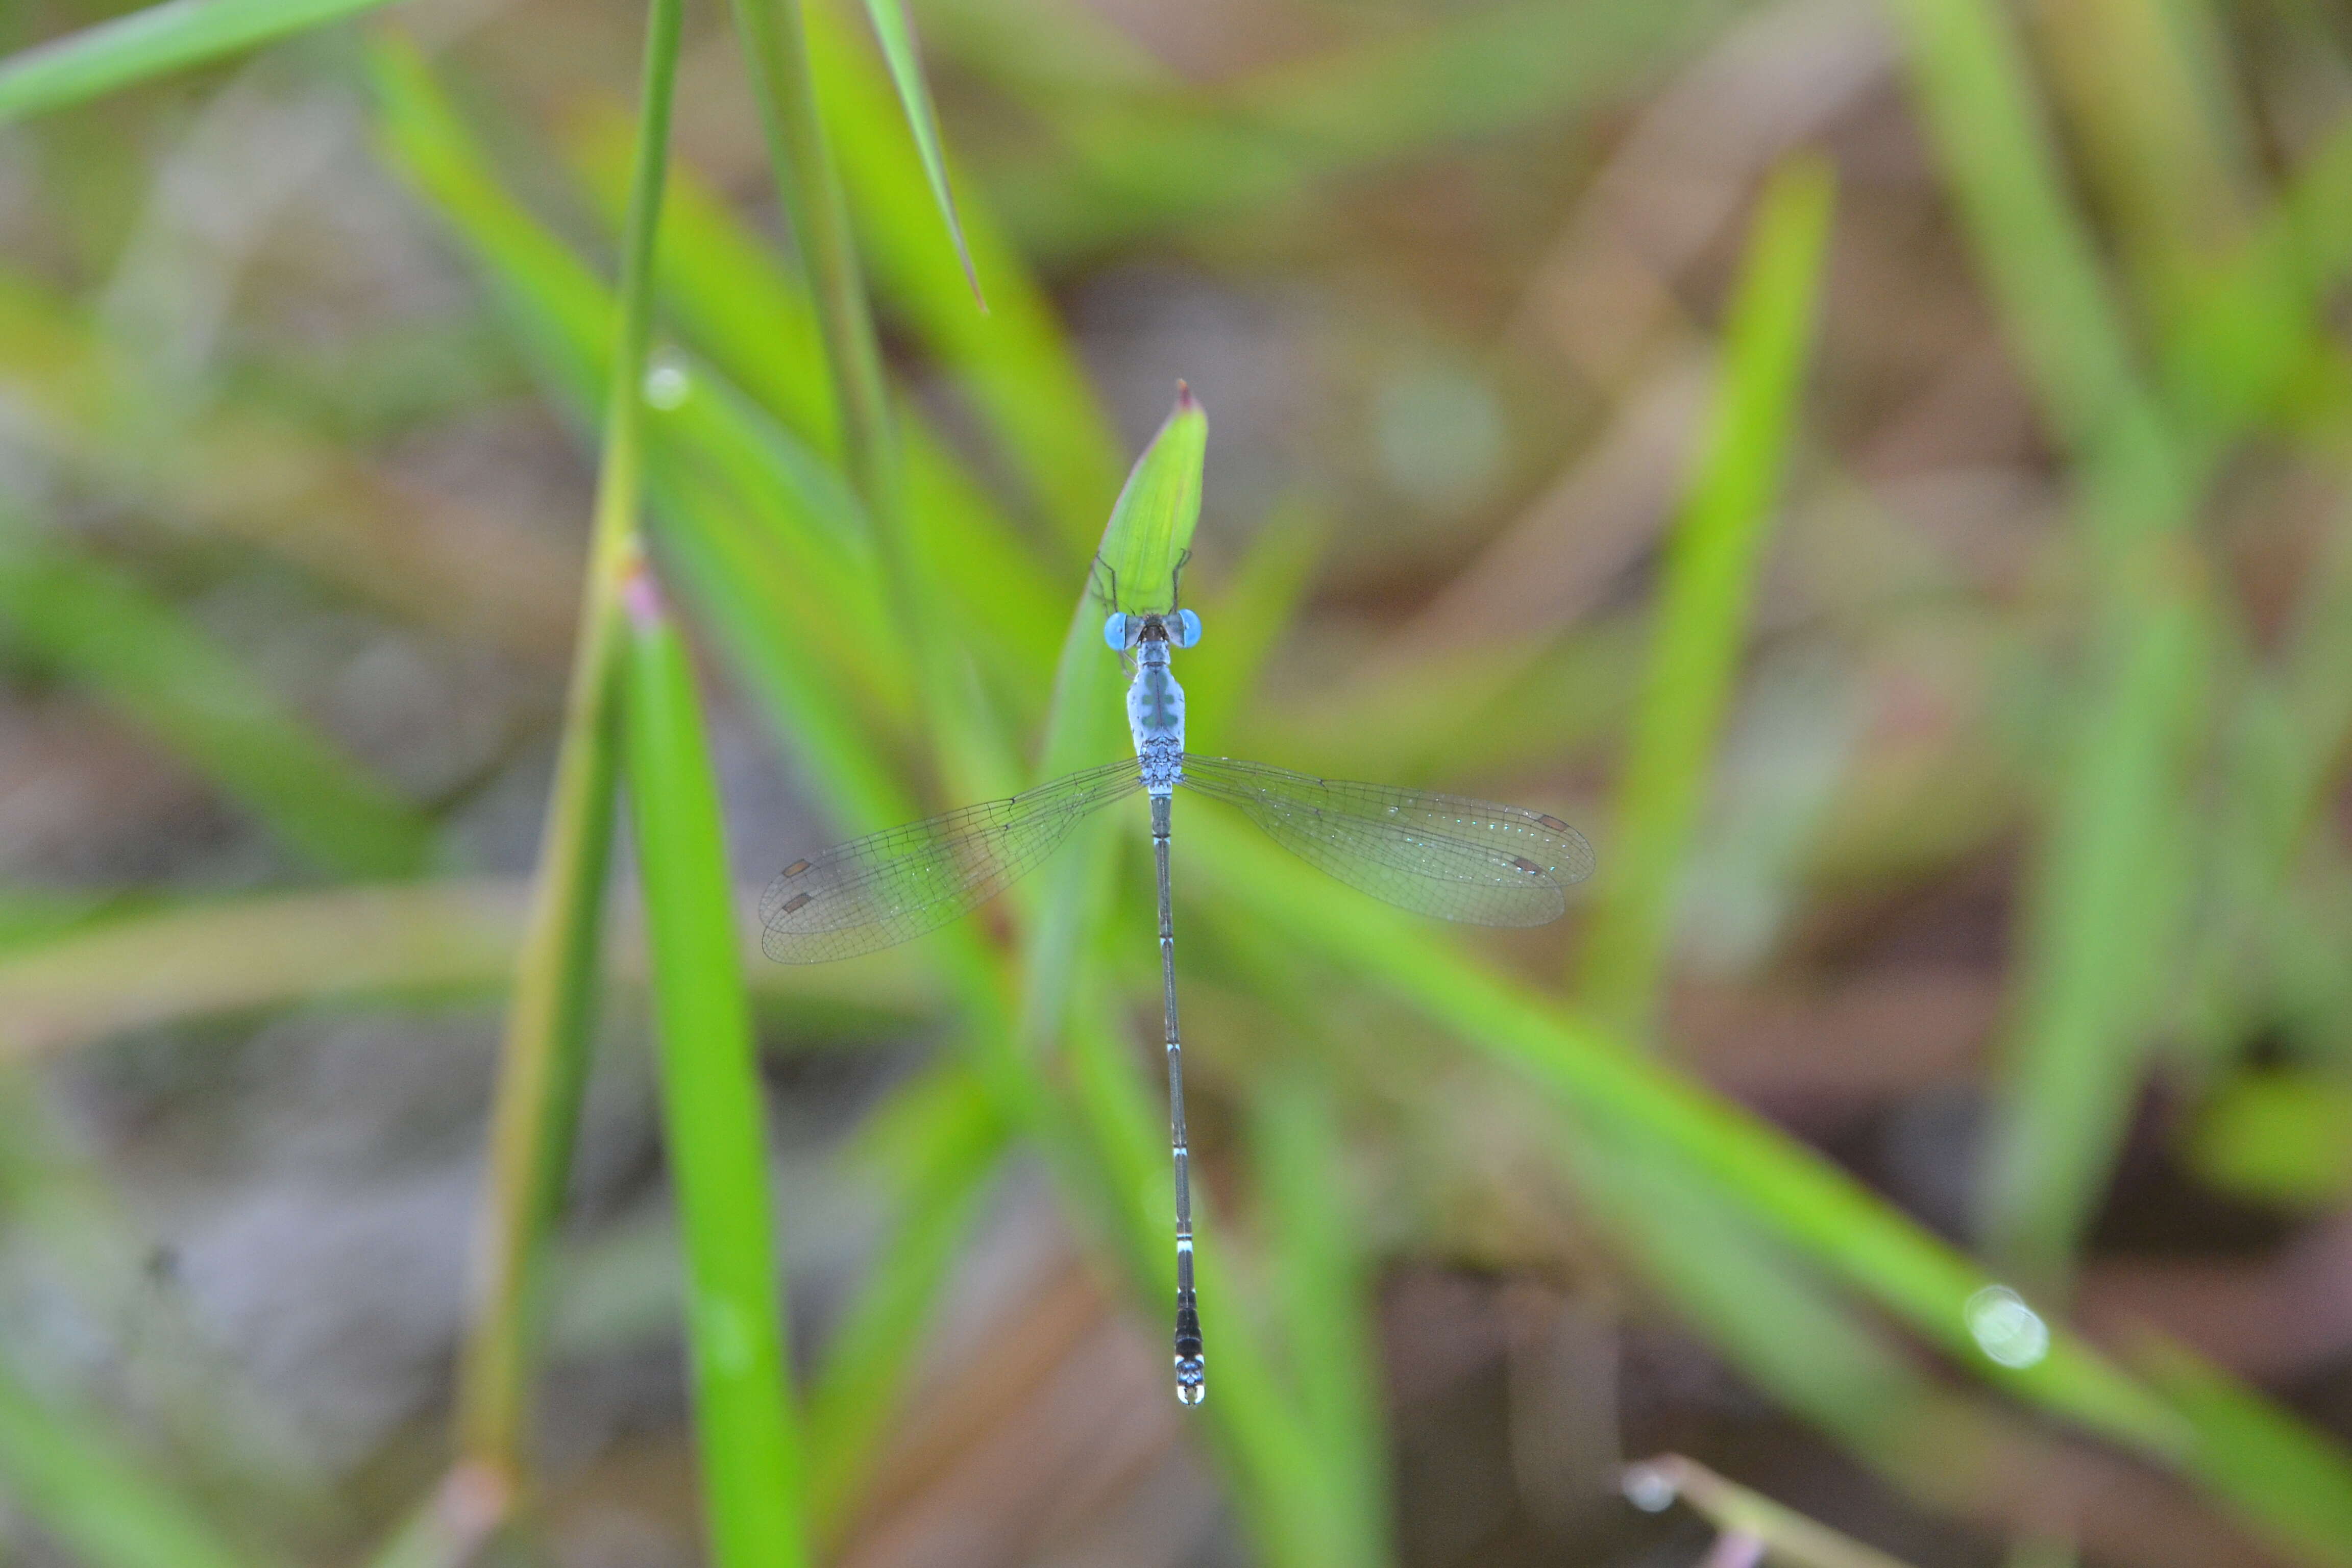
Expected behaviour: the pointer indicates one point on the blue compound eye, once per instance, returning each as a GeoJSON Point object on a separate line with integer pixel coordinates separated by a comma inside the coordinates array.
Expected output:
{"type": "Point", "coordinates": [1116, 632]}
{"type": "Point", "coordinates": [1185, 629]}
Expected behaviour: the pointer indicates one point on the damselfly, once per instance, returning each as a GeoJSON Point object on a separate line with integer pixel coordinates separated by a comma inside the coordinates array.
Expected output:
{"type": "Point", "coordinates": [1441, 854]}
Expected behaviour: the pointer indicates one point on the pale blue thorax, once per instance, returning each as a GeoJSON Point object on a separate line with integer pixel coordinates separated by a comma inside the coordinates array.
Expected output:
{"type": "Point", "coordinates": [1155, 717]}
{"type": "Point", "coordinates": [1155, 702]}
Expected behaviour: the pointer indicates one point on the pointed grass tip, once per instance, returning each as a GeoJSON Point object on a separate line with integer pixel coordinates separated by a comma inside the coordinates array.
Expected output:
{"type": "Point", "coordinates": [1185, 402]}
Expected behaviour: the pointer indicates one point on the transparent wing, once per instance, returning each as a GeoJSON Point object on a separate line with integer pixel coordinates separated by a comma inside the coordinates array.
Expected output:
{"type": "Point", "coordinates": [889, 886]}
{"type": "Point", "coordinates": [1443, 854]}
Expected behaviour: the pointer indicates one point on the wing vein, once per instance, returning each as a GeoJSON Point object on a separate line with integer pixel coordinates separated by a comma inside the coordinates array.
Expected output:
{"type": "Point", "coordinates": [893, 886]}
{"type": "Point", "coordinates": [1449, 855]}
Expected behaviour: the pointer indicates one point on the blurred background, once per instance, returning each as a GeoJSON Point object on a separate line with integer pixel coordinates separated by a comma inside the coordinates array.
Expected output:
{"type": "Point", "coordinates": [1956, 701]}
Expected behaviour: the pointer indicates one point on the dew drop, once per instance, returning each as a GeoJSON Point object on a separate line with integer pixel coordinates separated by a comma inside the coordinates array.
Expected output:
{"type": "Point", "coordinates": [2005, 1328]}
{"type": "Point", "coordinates": [667, 384]}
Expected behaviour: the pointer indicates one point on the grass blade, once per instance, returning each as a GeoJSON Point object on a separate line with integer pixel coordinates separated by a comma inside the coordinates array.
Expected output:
{"type": "Point", "coordinates": [544, 1058]}
{"type": "Point", "coordinates": [713, 1111]}
{"type": "Point", "coordinates": [148, 43]}
{"type": "Point", "coordinates": [1145, 539]}
{"type": "Point", "coordinates": [2107, 909]}
{"type": "Point", "coordinates": [1788, 1536]}
{"type": "Point", "coordinates": [729, 296]}
{"type": "Point", "coordinates": [1711, 566]}
{"type": "Point", "coordinates": [144, 660]}
{"type": "Point", "coordinates": [1787, 1189]}
{"type": "Point", "coordinates": [95, 1497]}
{"type": "Point", "coordinates": [1017, 364]}
{"type": "Point", "coordinates": [452, 1525]}
{"type": "Point", "coordinates": [894, 29]}
{"type": "Point", "coordinates": [2107, 900]}
{"type": "Point", "coordinates": [775, 48]}
{"type": "Point", "coordinates": [413, 940]}
{"type": "Point", "coordinates": [1150, 529]}
{"type": "Point", "coordinates": [1848, 1232]}
{"type": "Point", "coordinates": [2289, 1478]}
{"type": "Point", "coordinates": [1323, 1293]}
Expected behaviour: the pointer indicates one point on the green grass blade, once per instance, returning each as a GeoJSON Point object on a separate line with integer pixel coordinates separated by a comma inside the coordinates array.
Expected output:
{"type": "Point", "coordinates": [1148, 536]}
{"type": "Point", "coordinates": [894, 29]}
{"type": "Point", "coordinates": [1822, 1213]}
{"type": "Point", "coordinates": [1151, 530]}
{"type": "Point", "coordinates": [739, 306]}
{"type": "Point", "coordinates": [148, 43]}
{"type": "Point", "coordinates": [1711, 566]}
{"type": "Point", "coordinates": [2107, 900]}
{"type": "Point", "coordinates": [2108, 909]}
{"type": "Point", "coordinates": [409, 941]}
{"type": "Point", "coordinates": [2057, 311]}
{"type": "Point", "coordinates": [775, 49]}
{"type": "Point", "coordinates": [792, 498]}
{"type": "Point", "coordinates": [2151, 108]}
{"type": "Point", "coordinates": [1323, 1296]}
{"type": "Point", "coordinates": [724, 285]}
{"type": "Point", "coordinates": [2291, 1481]}
{"type": "Point", "coordinates": [137, 653]}
{"type": "Point", "coordinates": [1016, 365]}
{"type": "Point", "coordinates": [2254, 328]}
{"type": "Point", "coordinates": [1848, 1232]}
{"type": "Point", "coordinates": [543, 1058]}
{"type": "Point", "coordinates": [926, 598]}
{"type": "Point", "coordinates": [748, 1438]}
{"type": "Point", "coordinates": [94, 1497]}
{"type": "Point", "coordinates": [1787, 1330]}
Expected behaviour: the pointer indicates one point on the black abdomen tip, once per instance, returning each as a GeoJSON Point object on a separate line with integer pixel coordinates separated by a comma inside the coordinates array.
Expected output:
{"type": "Point", "coordinates": [1191, 1372]}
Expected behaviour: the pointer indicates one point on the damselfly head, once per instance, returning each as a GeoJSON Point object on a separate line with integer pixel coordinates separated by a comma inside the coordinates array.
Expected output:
{"type": "Point", "coordinates": [1125, 632]}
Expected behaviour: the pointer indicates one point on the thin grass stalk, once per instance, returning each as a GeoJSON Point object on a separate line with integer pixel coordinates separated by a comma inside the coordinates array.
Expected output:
{"type": "Point", "coordinates": [747, 1441]}
{"type": "Point", "coordinates": [973, 755]}
{"type": "Point", "coordinates": [1789, 1536]}
{"type": "Point", "coordinates": [2106, 894]}
{"type": "Point", "coordinates": [894, 29]}
{"type": "Point", "coordinates": [1712, 566]}
{"type": "Point", "coordinates": [543, 1059]}
{"type": "Point", "coordinates": [775, 46]}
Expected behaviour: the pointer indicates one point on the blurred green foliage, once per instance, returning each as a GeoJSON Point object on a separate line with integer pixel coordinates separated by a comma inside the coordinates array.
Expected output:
{"type": "Point", "coordinates": [874, 504]}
